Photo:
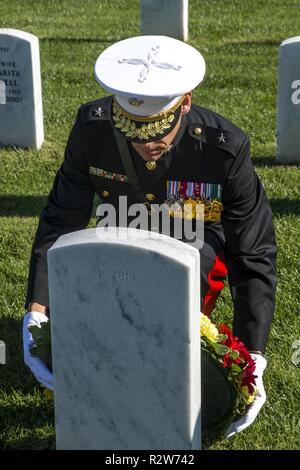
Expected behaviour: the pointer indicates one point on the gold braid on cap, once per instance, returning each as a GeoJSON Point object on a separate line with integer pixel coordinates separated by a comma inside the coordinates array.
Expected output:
{"type": "Point", "coordinates": [158, 124]}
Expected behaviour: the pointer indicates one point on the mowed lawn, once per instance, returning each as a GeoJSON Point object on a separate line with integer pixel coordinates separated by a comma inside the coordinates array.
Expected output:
{"type": "Point", "coordinates": [240, 41]}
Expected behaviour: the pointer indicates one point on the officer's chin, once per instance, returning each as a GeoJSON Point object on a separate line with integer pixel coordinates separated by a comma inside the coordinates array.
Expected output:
{"type": "Point", "coordinates": [154, 155]}
{"type": "Point", "coordinates": [151, 156]}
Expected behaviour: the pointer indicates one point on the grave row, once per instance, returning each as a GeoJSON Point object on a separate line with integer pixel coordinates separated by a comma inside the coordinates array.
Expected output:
{"type": "Point", "coordinates": [21, 110]}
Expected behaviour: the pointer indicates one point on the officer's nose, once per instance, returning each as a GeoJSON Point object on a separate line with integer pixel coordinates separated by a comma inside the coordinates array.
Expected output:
{"type": "Point", "coordinates": [149, 145]}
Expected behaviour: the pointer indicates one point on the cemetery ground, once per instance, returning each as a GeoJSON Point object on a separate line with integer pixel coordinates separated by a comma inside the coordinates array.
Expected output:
{"type": "Point", "coordinates": [239, 41]}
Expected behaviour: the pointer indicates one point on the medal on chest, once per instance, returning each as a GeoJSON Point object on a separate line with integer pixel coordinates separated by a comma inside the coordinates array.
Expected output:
{"type": "Point", "coordinates": [194, 200]}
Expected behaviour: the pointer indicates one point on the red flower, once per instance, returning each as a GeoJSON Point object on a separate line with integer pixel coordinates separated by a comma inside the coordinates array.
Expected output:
{"type": "Point", "coordinates": [231, 340]}
{"type": "Point", "coordinates": [248, 377]}
{"type": "Point", "coordinates": [244, 353]}
{"type": "Point", "coordinates": [248, 366]}
{"type": "Point", "coordinates": [227, 361]}
{"type": "Point", "coordinates": [224, 330]}
{"type": "Point", "coordinates": [233, 343]}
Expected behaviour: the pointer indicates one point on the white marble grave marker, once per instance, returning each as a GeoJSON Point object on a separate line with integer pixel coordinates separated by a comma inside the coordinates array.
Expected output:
{"type": "Point", "coordinates": [2, 352]}
{"type": "Point", "coordinates": [2, 92]}
{"type": "Point", "coordinates": [288, 113]}
{"type": "Point", "coordinates": [165, 17]}
{"type": "Point", "coordinates": [21, 112]}
{"type": "Point", "coordinates": [125, 332]}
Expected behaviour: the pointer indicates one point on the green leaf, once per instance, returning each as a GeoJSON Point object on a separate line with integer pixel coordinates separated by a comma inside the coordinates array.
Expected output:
{"type": "Point", "coordinates": [235, 368]}
{"type": "Point", "coordinates": [221, 338]}
{"type": "Point", "coordinates": [234, 355]}
{"type": "Point", "coordinates": [220, 349]}
{"type": "Point", "coordinates": [41, 346]}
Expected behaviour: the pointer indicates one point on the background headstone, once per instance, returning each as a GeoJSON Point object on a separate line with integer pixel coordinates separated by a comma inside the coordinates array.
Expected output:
{"type": "Point", "coordinates": [288, 117]}
{"type": "Point", "coordinates": [21, 112]}
{"type": "Point", "coordinates": [165, 17]}
{"type": "Point", "coordinates": [2, 92]}
{"type": "Point", "coordinates": [125, 331]}
{"type": "Point", "coordinates": [2, 352]}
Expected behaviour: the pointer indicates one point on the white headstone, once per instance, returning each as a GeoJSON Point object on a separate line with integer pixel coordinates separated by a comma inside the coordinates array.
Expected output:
{"type": "Point", "coordinates": [288, 114]}
{"type": "Point", "coordinates": [2, 352]}
{"type": "Point", "coordinates": [21, 112]}
{"type": "Point", "coordinates": [165, 17]}
{"type": "Point", "coordinates": [2, 92]}
{"type": "Point", "coordinates": [125, 333]}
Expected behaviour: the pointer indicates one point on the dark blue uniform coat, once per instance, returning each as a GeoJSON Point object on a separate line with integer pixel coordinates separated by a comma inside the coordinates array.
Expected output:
{"type": "Point", "coordinates": [219, 154]}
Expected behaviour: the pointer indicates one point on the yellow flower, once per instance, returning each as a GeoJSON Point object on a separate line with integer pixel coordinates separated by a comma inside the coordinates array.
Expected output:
{"type": "Point", "coordinates": [49, 394]}
{"type": "Point", "coordinates": [208, 329]}
{"type": "Point", "coordinates": [247, 397]}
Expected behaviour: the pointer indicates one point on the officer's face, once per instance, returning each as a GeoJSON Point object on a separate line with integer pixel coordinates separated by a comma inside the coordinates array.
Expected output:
{"type": "Point", "coordinates": [152, 151]}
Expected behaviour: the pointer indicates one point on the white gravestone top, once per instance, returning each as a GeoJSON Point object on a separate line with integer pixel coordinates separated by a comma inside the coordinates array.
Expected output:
{"type": "Point", "coordinates": [165, 17]}
{"type": "Point", "coordinates": [21, 112]}
{"type": "Point", "coordinates": [288, 113]}
{"type": "Point", "coordinates": [125, 327]}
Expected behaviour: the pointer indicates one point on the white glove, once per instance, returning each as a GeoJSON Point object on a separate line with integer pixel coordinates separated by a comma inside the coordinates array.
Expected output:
{"type": "Point", "coordinates": [255, 407]}
{"type": "Point", "coordinates": [38, 368]}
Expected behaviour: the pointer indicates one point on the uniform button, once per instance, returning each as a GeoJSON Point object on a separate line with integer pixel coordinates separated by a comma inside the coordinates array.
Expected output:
{"type": "Point", "coordinates": [197, 130]}
{"type": "Point", "coordinates": [105, 194]}
{"type": "Point", "coordinates": [150, 197]}
{"type": "Point", "coordinates": [150, 166]}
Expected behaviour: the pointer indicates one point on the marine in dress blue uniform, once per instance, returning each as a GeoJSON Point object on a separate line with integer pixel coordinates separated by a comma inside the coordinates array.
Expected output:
{"type": "Point", "coordinates": [207, 163]}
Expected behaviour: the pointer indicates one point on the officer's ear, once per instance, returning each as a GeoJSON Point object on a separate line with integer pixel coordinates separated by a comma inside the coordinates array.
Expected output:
{"type": "Point", "coordinates": [186, 103]}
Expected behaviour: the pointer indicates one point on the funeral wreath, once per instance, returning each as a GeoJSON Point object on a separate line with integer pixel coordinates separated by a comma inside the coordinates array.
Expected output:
{"type": "Point", "coordinates": [227, 375]}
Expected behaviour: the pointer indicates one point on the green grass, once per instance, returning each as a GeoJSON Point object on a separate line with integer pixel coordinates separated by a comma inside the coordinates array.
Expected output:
{"type": "Point", "coordinates": [239, 40]}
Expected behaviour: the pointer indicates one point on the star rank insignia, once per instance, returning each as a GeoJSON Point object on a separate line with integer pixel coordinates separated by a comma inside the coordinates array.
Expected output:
{"type": "Point", "coordinates": [98, 112]}
{"type": "Point", "coordinates": [222, 139]}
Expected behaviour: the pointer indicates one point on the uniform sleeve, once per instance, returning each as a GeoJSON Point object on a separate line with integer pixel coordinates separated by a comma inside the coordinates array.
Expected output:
{"type": "Point", "coordinates": [250, 251]}
{"type": "Point", "coordinates": [69, 208]}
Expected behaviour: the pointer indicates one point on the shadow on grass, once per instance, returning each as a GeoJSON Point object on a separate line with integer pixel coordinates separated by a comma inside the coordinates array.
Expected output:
{"type": "Point", "coordinates": [263, 161]}
{"type": "Point", "coordinates": [24, 412]}
{"type": "Point", "coordinates": [254, 42]}
{"type": "Point", "coordinates": [210, 438]}
{"type": "Point", "coordinates": [23, 423]}
{"type": "Point", "coordinates": [282, 207]}
{"type": "Point", "coordinates": [27, 413]}
{"type": "Point", "coordinates": [27, 206]}
{"type": "Point", "coordinates": [29, 443]}
{"type": "Point", "coordinates": [270, 161]}
{"type": "Point", "coordinates": [15, 375]}
{"type": "Point", "coordinates": [81, 40]}
{"type": "Point", "coordinates": [31, 206]}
